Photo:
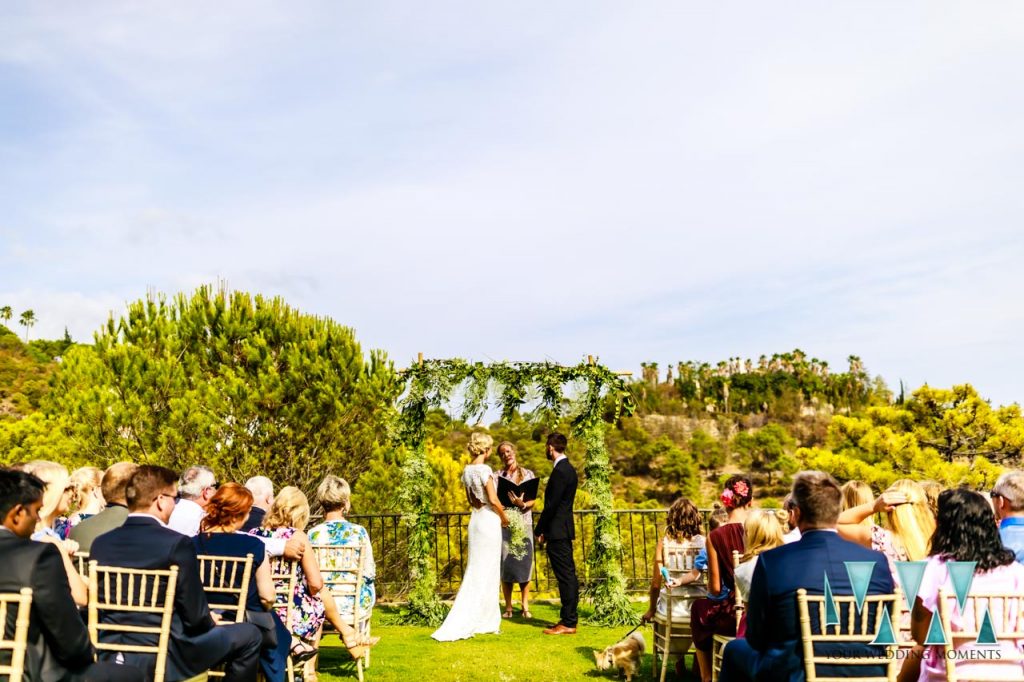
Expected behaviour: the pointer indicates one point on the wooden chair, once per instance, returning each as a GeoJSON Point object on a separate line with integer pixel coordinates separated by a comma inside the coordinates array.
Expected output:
{"type": "Point", "coordinates": [672, 636]}
{"type": "Point", "coordinates": [853, 628]}
{"type": "Point", "coordinates": [1006, 610]}
{"type": "Point", "coordinates": [284, 574]}
{"type": "Point", "coordinates": [719, 641]}
{"type": "Point", "coordinates": [342, 569]}
{"type": "Point", "coordinates": [82, 564]}
{"type": "Point", "coordinates": [132, 590]}
{"type": "Point", "coordinates": [17, 643]}
{"type": "Point", "coordinates": [226, 575]}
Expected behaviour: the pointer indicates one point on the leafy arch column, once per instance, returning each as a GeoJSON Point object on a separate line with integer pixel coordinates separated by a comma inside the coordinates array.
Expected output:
{"type": "Point", "coordinates": [431, 383]}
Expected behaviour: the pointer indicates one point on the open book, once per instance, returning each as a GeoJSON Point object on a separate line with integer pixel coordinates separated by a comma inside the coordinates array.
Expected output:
{"type": "Point", "coordinates": [527, 490]}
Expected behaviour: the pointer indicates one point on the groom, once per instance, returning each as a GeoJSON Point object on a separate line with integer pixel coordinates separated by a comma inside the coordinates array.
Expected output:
{"type": "Point", "coordinates": [557, 528]}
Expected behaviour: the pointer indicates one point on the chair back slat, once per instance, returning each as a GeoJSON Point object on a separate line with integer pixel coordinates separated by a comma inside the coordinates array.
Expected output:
{"type": "Point", "coordinates": [17, 642]}
{"type": "Point", "coordinates": [82, 564]}
{"type": "Point", "coordinates": [135, 591]}
{"type": "Point", "coordinates": [861, 630]}
{"type": "Point", "coordinates": [227, 575]}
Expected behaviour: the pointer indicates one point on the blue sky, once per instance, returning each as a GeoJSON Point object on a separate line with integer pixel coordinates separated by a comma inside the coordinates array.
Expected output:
{"type": "Point", "coordinates": [639, 181]}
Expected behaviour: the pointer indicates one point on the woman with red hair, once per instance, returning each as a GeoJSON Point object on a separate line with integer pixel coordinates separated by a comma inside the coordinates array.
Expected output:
{"type": "Point", "coordinates": [715, 614]}
{"type": "Point", "coordinates": [219, 536]}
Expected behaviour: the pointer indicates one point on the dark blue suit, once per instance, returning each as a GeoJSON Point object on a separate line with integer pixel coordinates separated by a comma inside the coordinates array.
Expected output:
{"type": "Point", "coordinates": [197, 644]}
{"type": "Point", "coordinates": [772, 649]}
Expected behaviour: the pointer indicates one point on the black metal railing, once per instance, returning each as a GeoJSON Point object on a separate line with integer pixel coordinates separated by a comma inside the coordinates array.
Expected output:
{"type": "Point", "coordinates": [639, 532]}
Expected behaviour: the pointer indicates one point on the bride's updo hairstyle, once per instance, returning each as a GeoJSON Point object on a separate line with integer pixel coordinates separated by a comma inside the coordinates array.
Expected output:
{"type": "Point", "coordinates": [479, 443]}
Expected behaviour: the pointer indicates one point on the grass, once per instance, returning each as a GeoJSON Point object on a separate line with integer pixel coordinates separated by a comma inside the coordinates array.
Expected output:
{"type": "Point", "coordinates": [520, 653]}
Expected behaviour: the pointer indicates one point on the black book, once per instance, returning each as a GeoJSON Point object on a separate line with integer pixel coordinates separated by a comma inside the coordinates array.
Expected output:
{"type": "Point", "coordinates": [527, 490]}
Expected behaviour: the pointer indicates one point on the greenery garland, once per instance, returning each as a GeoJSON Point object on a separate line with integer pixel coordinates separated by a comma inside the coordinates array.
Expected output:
{"type": "Point", "coordinates": [431, 384]}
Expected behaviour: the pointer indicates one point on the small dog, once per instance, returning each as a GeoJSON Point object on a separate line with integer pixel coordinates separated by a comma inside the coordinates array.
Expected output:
{"type": "Point", "coordinates": [625, 655]}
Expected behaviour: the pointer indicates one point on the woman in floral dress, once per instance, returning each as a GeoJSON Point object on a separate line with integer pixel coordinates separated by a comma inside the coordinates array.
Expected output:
{"type": "Point", "coordinates": [287, 518]}
{"type": "Point", "coordinates": [335, 496]}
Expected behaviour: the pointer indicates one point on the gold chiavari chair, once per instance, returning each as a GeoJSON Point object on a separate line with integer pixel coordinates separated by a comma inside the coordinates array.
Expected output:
{"type": "Point", "coordinates": [222, 575]}
{"type": "Point", "coordinates": [17, 643]}
{"type": "Point", "coordinates": [672, 635]}
{"type": "Point", "coordinates": [342, 569]}
{"type": "Point", "coordinates": [131, 590]}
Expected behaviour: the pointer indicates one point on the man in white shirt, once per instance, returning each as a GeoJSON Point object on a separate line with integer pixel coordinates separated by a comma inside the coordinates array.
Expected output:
{"type": "Point", "coordinates": [197, 485]}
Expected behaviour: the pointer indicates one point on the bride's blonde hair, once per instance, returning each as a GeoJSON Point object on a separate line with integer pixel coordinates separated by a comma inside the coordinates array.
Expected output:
{"type": "Point", "coordinates": [479, 443]}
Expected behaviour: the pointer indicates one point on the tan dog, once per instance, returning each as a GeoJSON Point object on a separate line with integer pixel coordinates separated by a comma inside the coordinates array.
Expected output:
{"type": "Point", "coordinates": [625, 655]}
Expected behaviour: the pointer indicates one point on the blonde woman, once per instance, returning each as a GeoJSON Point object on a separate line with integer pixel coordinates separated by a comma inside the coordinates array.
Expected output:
{"type": "Point", "coordinates": [56, 502]}
{"type": "Point", "coordinates": [762, 530]}
{"type": "Point", "coordinates": [476, 609]}
{"type": "Point", "coordinates": [910, 520]}
{"type": "Point", "coordinates": [286, 519]}
{"type": "Point", "coordinates": [87, 499]}
{"type": "Point", "coordinates": [856, 493]}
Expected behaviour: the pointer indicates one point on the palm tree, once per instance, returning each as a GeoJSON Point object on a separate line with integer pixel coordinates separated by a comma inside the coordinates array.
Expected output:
{"type": "Point", "coordinates": [28, 320]}
{"type": "Point", "coordinates": [6, 314]}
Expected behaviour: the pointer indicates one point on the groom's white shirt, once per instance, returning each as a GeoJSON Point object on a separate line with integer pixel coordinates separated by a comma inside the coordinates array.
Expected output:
{"type": "Point", "coordinates": [559, 456]}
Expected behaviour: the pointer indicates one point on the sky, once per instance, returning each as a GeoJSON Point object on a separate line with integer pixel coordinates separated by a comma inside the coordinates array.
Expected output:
{"type": "Point", "coordinates": [656, 181]}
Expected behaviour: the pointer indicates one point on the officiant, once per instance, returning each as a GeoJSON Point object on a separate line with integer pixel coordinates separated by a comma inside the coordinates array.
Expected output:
{"type": "Point", "coordinates": [516, 570]}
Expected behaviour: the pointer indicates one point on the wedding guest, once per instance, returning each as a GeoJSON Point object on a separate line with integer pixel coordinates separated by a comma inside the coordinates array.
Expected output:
{"type": "Point", "coordinates": [56, 501]}
{"type": "Point", "coordinates": [115, 481]}
{"type": "Point", "coordinates": [965, 532]}
{"type": "Point", "coordinates": [683, 528]}
{"type": "Point", "coordinates": [792, 532]}
{"type": "Point", "coordinates": [931, 491]}
{"type": "Point", "coordinates": [909, 517]}
{"type": "Point", "coordinates": [856, 493]}
{"type": "Point", "coordinates": [772, 648]}
{"type": "Point", "coordinates": [515, 570]}
{"type": "Point", "coordinates": [287, 518]}
{"type": "Point", "coordinates": [335, 497]}
{"type": "Point", "coordinates": [144, 541]}
{"type": "Point", "coordinates": [262, 489]}
{"type": "Point", "coordinates": [762, 531]}
{"type": "Point", "coordinates": [86, 499]}
{"type": "Point", "coordinates": [1008, 500]}
{"type": "Point", "coordinates": [58, 642]}
{"type": "Point", "coordinates": [219, 536]}
{"type": "Point", "coordinates": [715, 614]}
{"type": "Point", "coordinates": [196, 487]}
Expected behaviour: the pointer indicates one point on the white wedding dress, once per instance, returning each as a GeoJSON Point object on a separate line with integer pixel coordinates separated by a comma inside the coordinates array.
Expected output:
{"type": "Point", "coordinates": [476, 610]}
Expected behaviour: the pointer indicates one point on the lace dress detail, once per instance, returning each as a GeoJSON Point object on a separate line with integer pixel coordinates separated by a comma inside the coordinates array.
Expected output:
{"type": "Point", "coordinates": [476, 609]}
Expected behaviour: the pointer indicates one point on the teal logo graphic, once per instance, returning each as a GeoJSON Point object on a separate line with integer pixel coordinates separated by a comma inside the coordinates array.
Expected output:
{"type": "Point", "coordinates": [911, 575]}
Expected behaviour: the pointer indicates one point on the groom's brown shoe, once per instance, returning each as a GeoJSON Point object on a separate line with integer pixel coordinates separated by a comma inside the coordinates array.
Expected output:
{"type": "Point", "coordinates": [560, 630]}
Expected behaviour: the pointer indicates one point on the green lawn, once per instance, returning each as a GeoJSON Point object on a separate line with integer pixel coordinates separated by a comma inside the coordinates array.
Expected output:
{"type": "Point", "coordinates": [520, 652]}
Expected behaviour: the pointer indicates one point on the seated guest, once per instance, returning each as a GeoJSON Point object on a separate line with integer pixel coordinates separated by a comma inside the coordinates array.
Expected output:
{"type": "Point", "coordinates": [196, 487]}
{"type": "Point", "coordinates": [856, 493]}
{"type": "Point", "coordinates": [87, 498]}
{"type": "Point", "coordinates": [262, 489]}
{"type": "Point", "coordinates": [965, 532]}
{"type": "Point", "coordinates": [682, 531]}
{"type": "Point", "coordinates": [287, 519]}
{"type": "Point", "coordinates": [792, 532]}
{"type": "Point", "coordinates": [931, 491]}
{"type": "Point", "coordinates": [56, 502]}
{"type": "Point", "coordinates": [197, 643]}
{"type": "Point", "coordinates": [113, 485]}
{"type": "Point", "coordinates": [1008, 501]}
{"type": "Point", "coordinates": [761, 531]}
{"type": "Point", "coordinates": [772, 649]}
{"type": "Point", "coordinates": [219, 536]}
{"type": "Point", "coordinates": [910, 518]}
{"type": "Point", "coordinates": [335, 497]}
{"type": "Point", "coordinates": [58, 642]}
{"type": "Point", "coordinates": [716, 613]}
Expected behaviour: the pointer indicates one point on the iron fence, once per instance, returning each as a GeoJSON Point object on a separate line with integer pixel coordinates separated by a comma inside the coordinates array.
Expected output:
{"type": "Point", "coordinates": [639, 532]}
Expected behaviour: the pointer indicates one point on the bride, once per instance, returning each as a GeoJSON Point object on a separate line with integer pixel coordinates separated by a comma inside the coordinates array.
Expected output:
{"type": "Point", "coordinates": [476, 609]}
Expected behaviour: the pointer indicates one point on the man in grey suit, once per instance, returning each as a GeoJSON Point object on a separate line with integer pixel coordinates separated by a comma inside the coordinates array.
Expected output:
{"type": "Point", "coordinates": [115, 481]}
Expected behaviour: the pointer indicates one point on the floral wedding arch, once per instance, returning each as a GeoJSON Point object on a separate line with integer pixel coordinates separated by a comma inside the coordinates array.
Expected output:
{"type": "Point", "coordinates": [538, 389]}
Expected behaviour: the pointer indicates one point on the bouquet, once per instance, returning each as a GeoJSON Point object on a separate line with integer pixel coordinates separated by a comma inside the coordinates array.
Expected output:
{"type": "Point", "coordinates": [518, 534]}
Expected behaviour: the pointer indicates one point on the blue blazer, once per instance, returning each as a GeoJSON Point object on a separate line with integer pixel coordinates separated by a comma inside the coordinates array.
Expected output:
{"type": "Point", "coordinates": [773, 622]}
{"type": "Point", "coordinates": [143, 543]}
